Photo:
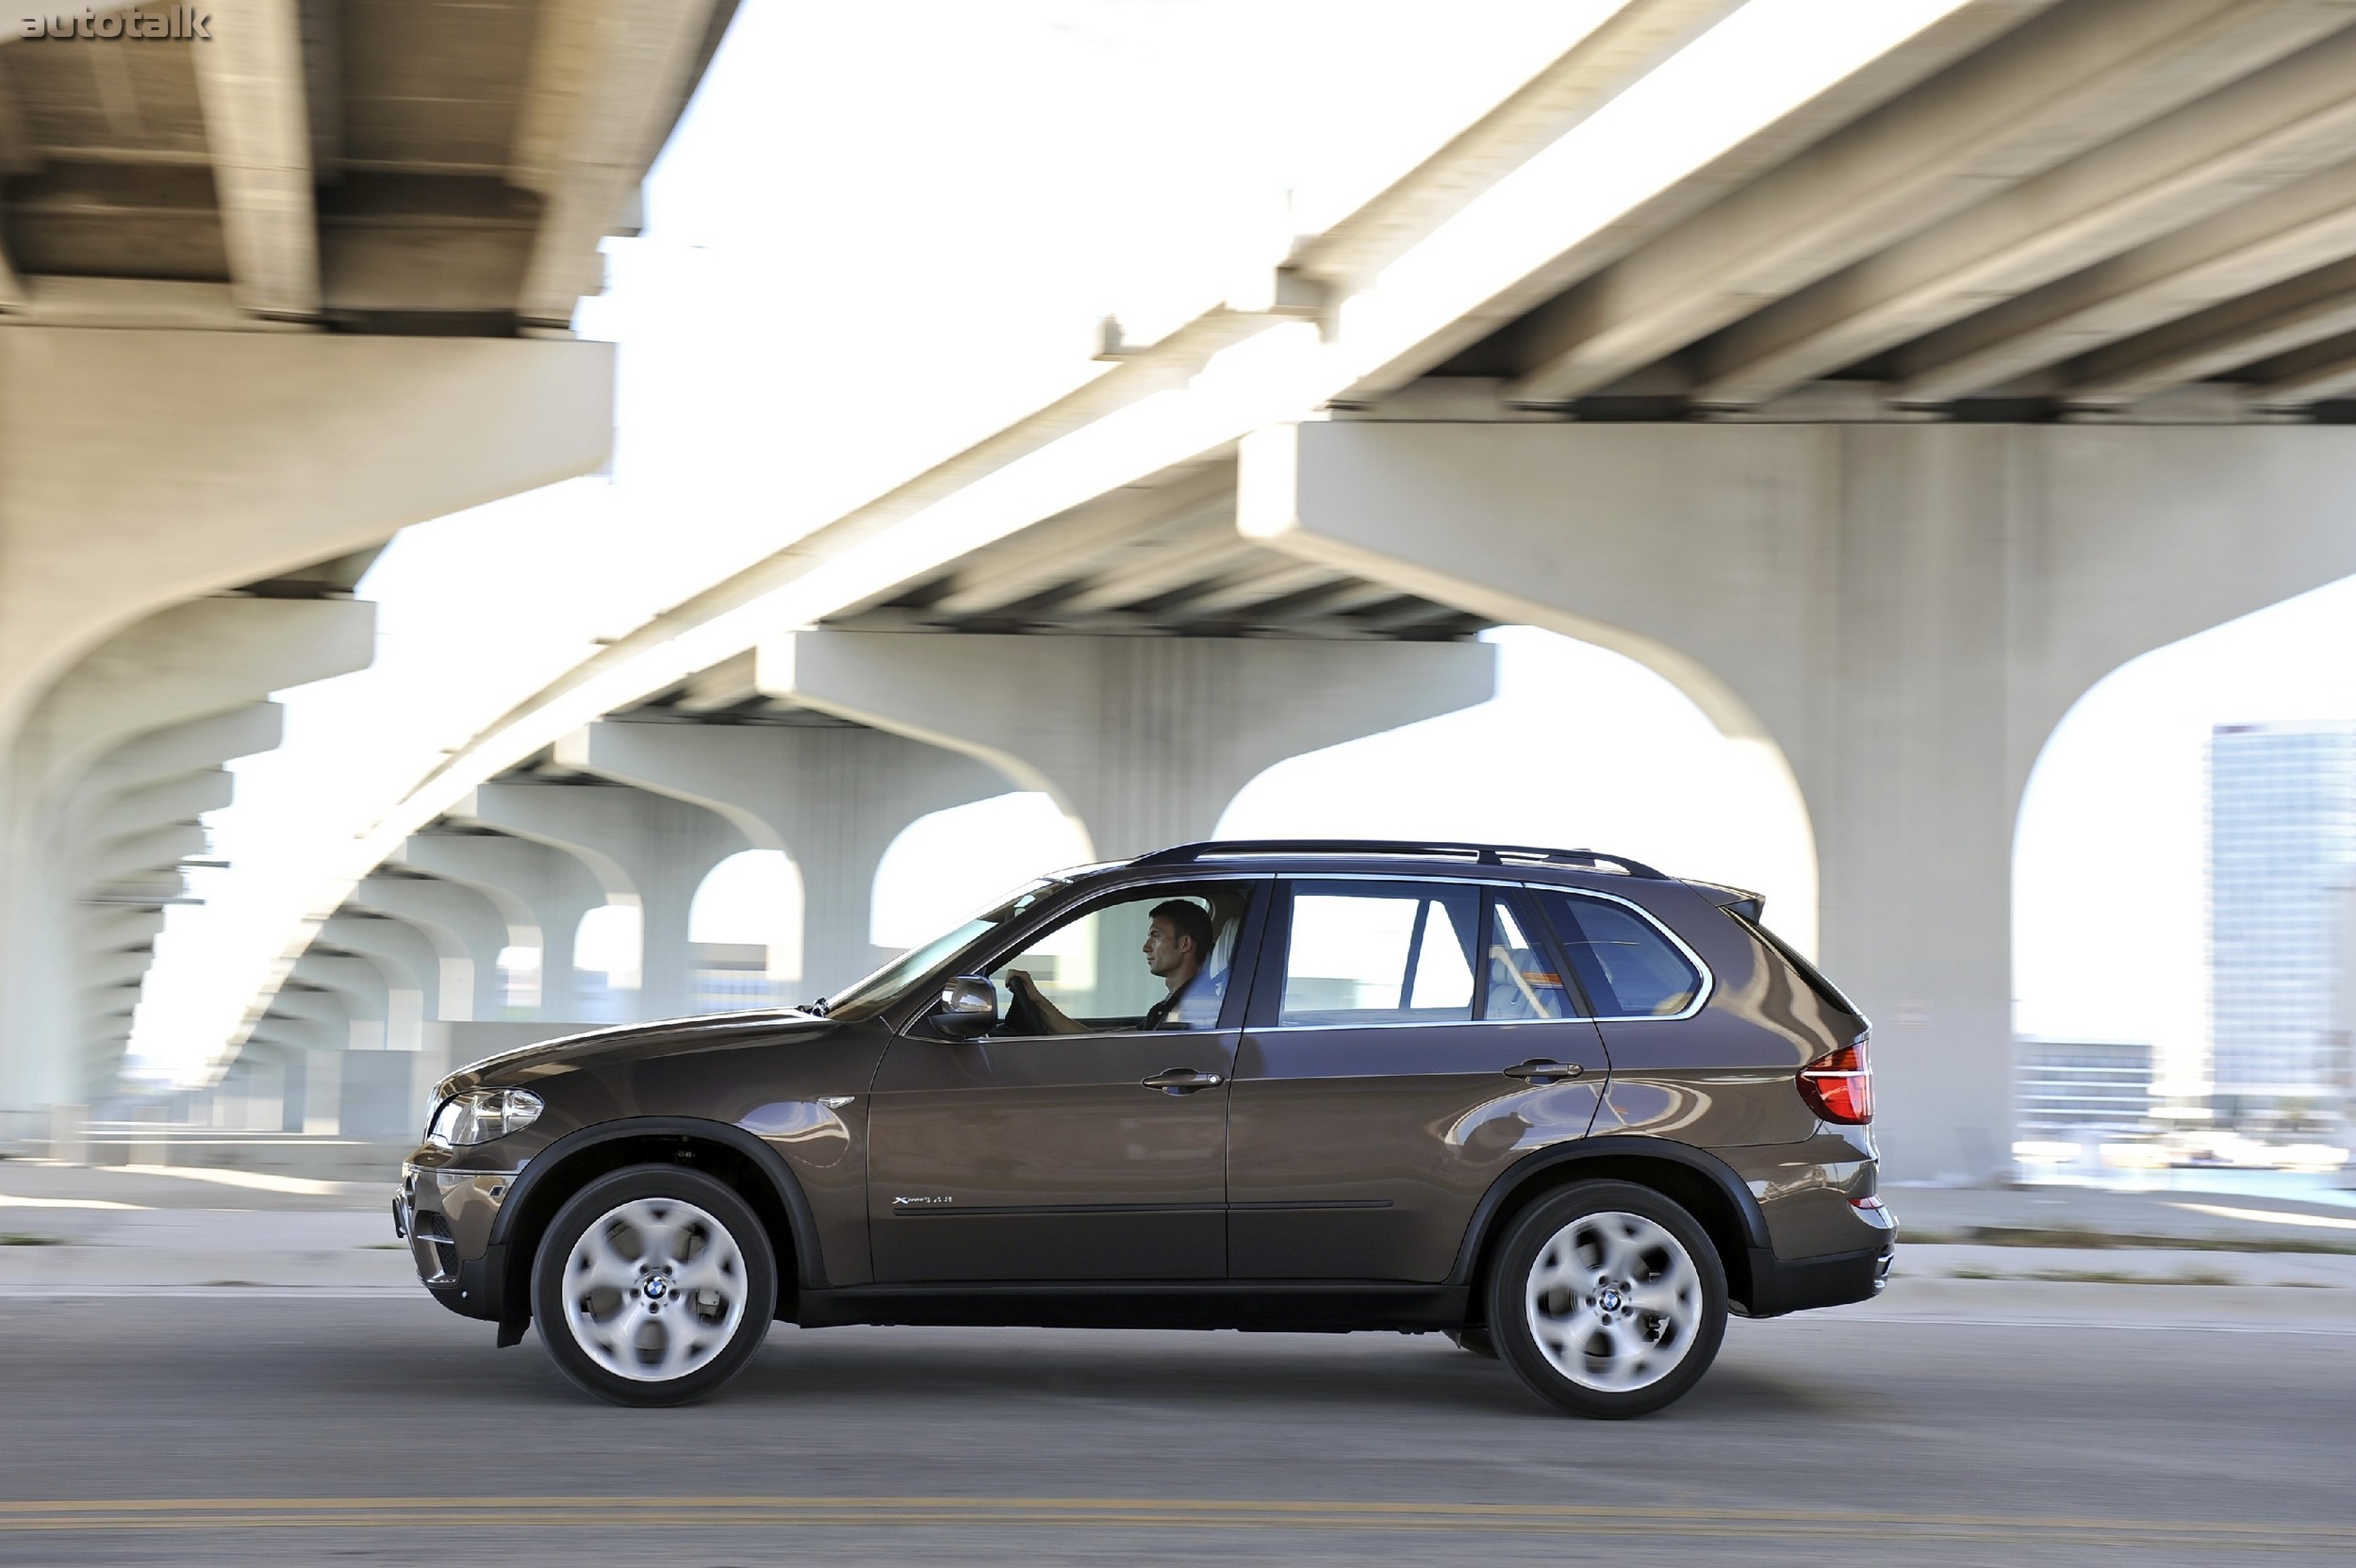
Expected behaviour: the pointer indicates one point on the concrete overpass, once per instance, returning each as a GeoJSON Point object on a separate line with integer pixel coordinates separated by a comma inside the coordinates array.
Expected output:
{"type": "Point", "coordinates": [1882, 375]}
{"type": "Point", "coordinates": [271, 290]}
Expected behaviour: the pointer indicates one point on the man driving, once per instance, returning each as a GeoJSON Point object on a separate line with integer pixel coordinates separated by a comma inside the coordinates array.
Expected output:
{"type": "Point", "coordinates": [1177, 942]}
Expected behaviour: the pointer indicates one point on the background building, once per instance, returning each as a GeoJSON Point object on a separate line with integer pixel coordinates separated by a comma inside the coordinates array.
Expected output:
{"type": "Point", "coordinates": [2073, 1091]}
{"type": "Point", "coordinates": [2282, 855]}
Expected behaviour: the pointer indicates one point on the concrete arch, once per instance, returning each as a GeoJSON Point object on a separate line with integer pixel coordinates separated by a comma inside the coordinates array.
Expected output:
{"type": "Point", "coordinates": [465, 928]}
{"type": "Point", "coordinates": [767, 874]}
{"type": "Point", "coordinates": [649, 850]}
{"type": "Point", "coordinates": [2064, 840]}
{"type": "Point", "coordinates": [830, 797]}
{"type": "Point", "coordinates": [1905, 610]}
{"type": "Point", "coordinates": [540, 891]}
{"type": "Point", "coordinates": [974, 871]}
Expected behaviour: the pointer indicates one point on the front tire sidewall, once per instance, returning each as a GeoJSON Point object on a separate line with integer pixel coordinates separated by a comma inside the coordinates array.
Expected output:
{"type": "Point", "coordinates": [600, 1198]}
{"type": "Point", "coordinates": [1509, 1316]}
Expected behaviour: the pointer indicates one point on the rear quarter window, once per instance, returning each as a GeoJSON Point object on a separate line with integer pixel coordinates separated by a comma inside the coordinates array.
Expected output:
{"type": "Point", "coordinates": [1630, 968]}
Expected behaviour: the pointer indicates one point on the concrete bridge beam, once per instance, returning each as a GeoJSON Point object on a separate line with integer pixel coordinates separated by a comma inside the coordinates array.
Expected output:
{"type": "Point", "coordinates": [1141, 741]}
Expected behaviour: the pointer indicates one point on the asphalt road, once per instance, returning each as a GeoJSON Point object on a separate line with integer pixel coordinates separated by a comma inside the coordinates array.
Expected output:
{"type": "Point", "coordinates": [204, 1428]}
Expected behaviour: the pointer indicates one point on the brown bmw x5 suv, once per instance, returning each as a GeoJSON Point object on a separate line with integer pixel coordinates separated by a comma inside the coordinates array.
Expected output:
{"type": "Point", "coordinates": [1553, 1103]}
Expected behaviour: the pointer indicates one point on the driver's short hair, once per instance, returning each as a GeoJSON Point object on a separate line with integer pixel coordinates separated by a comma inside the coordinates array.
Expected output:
{"type": "Point", "coordinates": [1188, 919]}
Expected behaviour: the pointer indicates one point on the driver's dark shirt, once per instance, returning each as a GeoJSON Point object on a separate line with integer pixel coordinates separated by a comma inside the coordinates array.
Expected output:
{"type": "Point", "coordinates": [1157, 1015]}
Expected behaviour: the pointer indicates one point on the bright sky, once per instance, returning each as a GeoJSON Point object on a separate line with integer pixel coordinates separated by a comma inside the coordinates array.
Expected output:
{"type": "Point", "coordinates": [885, 231]}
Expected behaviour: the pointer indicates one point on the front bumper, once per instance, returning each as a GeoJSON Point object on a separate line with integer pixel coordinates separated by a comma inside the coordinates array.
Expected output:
{"type": "Point", "coordinates": [447, 1217]}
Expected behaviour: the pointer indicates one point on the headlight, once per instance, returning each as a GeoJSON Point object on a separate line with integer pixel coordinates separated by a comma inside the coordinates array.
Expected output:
{"type": "Point", "coordinates": [482, 1115]}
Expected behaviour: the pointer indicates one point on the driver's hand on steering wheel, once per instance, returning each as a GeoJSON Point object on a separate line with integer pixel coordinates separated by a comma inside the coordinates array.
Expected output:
{"type": "Point", "coordinates": [1019, 980]}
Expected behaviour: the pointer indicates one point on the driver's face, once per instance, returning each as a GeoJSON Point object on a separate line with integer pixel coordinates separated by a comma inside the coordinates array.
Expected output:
{"type": "Point", "coordinates": [1165, 951]}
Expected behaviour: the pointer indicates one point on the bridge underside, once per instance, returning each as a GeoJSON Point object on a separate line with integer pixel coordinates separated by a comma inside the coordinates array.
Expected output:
{"type": "Point", "coordinates": [1493, 396]}
{"type": "Point", "coordinates": [277, 279]}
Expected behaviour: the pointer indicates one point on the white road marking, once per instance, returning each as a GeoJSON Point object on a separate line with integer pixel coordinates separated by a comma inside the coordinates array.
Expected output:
{"type": "Point", "coordinates": [2269, 1217]}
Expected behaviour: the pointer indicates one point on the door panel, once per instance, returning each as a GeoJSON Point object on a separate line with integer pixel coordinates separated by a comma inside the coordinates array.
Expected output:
{"type": "Point", "coordinates": [1046, 1158]}
{"type": "Point", "coordinates": [1352, 1156]}
{"type": "Point", "coordinates": [1359, 1151]}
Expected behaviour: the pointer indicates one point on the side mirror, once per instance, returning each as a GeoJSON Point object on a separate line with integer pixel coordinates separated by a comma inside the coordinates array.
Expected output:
{"type": "Point", "coordinates": [970, 1008]}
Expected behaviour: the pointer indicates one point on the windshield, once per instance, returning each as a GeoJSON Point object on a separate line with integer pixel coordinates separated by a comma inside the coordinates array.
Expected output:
{"type": "Point", "coordinates": [881, 987]}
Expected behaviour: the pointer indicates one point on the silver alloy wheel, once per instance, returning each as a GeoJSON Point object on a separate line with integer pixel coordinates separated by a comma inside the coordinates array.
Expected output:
{"type": "Point", "coordinates": [1615, 1301]}
{"type": "Point", "coordinates": [654, 1289]}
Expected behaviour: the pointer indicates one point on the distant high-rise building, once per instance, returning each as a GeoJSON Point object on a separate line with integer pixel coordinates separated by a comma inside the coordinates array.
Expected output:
{"type": "Point", "coordinates": [2076, 1089]}
{"type": "Point", "coordinates": [2282, 855]}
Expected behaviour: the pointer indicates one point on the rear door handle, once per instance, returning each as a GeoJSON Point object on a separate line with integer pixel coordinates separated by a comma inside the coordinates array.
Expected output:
{"type": "Point", "coordinates": [1536, 1071]}
{"type": "Point", "coordinates": [1182, 1080]}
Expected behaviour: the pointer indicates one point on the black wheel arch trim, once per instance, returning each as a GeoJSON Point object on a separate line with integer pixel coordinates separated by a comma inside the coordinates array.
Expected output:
{"type": "Point", "coordinates": [808, 1264]}
{"type": "Point", "coordinates": [1517, 1178]}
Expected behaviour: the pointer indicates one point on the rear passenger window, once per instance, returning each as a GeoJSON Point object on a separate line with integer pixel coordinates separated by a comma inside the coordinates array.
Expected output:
{"type": "Point", "coordinates": [1521, 979]}
{"type": "Point", "coordinates": [1630, 968]}
{"type": "Point", "coordinates": [1379, 952]}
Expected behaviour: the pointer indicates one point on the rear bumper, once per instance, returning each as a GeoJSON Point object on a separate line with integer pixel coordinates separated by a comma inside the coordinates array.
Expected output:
{"type": "Point", "coordinates": [1780, 1285]}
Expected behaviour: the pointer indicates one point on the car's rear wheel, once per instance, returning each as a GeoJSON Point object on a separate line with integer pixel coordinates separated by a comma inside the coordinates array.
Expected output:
{"type": "Point", "coordinates": [654, 1285]}
{"type": "Point", "coordinates": [1607, 1299]}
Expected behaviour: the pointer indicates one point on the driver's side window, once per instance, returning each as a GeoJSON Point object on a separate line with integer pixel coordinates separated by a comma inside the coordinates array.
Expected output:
{"type": "Point", "coordinates": [1113, 965]}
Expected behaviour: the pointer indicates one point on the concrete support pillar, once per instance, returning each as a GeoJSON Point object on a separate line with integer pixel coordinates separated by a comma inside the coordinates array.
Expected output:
{"type": "Point", "coordinates": [1142, 741]}
{"type": "Point", "coordinates": [410, 959]}
{"type": "Point", "coordinates": [1900, 614]}
{"type": "Point", "coordinates": [76, 823]}
{"type": "Point", "coordinates": [255, 455]}
{"type": "Point", "coordinates": [652, 848]}
{"type": "Point", "coordinates": [291, 1060]}
{"type": "Point", "coordinates": [69, 1134]}
{"type": "Point", "coordinates": [323, 1094]}
{"type": "Point", "coordinates": [832, 798]}
{"type": "Point", "coordinates": [540, 891]}
{"type": "Point", "coordinates": [360, 985]}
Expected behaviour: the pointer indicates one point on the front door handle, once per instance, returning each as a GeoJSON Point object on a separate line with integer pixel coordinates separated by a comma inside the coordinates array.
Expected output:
{"type": "Point", "coordinates": [1182, 1080]}
{"type": "Point", "coordinates": [1538, 1071]}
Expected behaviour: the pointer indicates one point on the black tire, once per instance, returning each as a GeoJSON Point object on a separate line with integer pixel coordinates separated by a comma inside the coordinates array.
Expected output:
{"type": "Point", "coordinates": [1474, 1340]}
{"type": "Point", "coordinates": [1614, 1252]}
{"type": "Point", "coordinates": [594, 1330]}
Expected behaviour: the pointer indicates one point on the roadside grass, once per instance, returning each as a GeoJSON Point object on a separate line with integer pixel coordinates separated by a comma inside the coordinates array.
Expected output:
{"type": "Point", "coordinates": [18, 1238]}
{"type": "Point", "coordinates": [2098, 1275]}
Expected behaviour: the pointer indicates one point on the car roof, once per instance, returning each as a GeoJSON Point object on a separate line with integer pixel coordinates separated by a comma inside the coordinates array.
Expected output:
{"type": "Point", "coordinates": [1313, 850]}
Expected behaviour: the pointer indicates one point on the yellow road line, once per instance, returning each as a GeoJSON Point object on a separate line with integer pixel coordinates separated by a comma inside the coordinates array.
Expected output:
{"type": "Point", "coordinates": [207, 1514]}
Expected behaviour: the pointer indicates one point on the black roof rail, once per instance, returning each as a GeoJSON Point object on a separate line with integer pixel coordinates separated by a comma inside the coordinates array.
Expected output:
{"type": "Point", "coordinates": [1486, 854]}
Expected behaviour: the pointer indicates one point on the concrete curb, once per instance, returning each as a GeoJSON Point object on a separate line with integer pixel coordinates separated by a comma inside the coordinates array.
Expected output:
{"type": "Point", "coordinates": [57, 1268]}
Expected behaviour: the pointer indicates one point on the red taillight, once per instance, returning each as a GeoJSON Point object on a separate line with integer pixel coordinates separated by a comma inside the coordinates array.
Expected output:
{"type": "Point", "coordinates": [1840, 1087]}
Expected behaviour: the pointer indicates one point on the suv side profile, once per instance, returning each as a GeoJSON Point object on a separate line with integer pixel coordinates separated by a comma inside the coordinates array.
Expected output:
{"type": "Point", "coordinates": [1555, 1105]}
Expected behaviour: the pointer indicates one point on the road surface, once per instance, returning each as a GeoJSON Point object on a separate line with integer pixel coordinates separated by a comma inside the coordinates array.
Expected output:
{"type": "Point", "coordinates": [205, 1426]}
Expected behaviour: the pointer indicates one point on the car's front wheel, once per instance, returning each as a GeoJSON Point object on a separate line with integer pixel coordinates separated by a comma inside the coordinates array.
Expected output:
{"type": "Point", "coordinates": [1607, 1299]}
{"type": "Point", "coordinates": [652, 1286]}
